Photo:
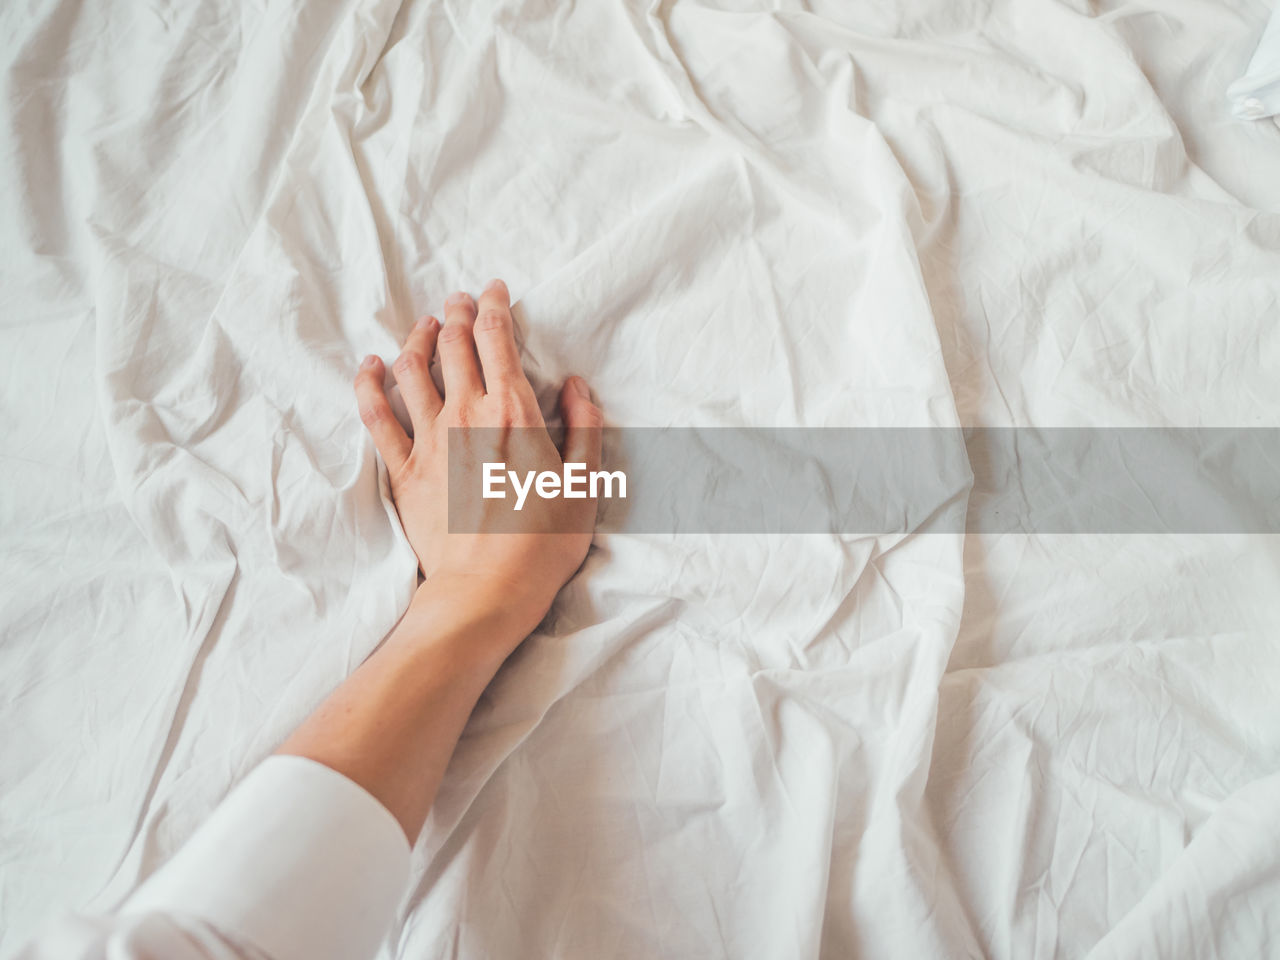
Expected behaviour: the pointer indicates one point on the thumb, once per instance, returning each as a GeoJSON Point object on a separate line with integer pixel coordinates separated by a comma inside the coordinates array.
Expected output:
{"type": "Point", "coordinates": [583, 421]}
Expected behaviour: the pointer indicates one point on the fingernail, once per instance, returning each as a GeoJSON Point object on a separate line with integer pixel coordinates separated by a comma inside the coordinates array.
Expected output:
{"type": "Point", "coordinates": [426, 323]}
{"type": "Point", "coordinates": [495, 285]}
{"type": "Point", "coordinates": [368, 361]}
{"type": "Point", "coordinates": [458, 299]}
{"type": "Point", "coordinates": [581, 389]}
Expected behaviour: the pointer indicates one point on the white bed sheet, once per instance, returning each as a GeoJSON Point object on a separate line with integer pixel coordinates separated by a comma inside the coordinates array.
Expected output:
{"type": "Point", "coordinates": [823, 213]}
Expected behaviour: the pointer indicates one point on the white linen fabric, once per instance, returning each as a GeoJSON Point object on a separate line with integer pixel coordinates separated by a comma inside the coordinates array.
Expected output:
{"type": "Point", "coordinates": [298, 863]}
{"type": "Point", "coordinates": [1256, 95]}
{"type": "Point", "coordinates": [147, 936]}
{"type": "Point", "coordinates": [1038, 212]}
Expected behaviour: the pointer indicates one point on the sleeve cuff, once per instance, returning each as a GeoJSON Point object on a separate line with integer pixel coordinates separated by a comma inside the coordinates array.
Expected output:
{"type": "Point", "coordinates": [298, 861]}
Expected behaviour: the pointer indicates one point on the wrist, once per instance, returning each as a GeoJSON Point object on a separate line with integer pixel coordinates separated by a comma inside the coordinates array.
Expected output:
{"type": "Point", "coordinates": [478, 618]}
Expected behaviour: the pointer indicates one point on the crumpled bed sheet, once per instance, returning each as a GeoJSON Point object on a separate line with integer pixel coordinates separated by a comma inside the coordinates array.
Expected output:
{"type": "Point", "coordinates": [823, 214]}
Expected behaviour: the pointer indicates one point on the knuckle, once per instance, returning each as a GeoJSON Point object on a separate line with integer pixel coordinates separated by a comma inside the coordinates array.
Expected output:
{"type": "Point", "coordinates": [524, 411]}
{"type": "Point", "coordinates": [504, 404]}
{"type": "Point", "coordinates": [453, 333]}
{"type": "Point", "coordinates": [528, 399]}
{"type": "Point", "coordinates": [592, 417]}
{"type": "Point", "coordinates": [410, 362]}
{"type": "Point", "coordinates": [461, 416]}
{"type": "Point", "coordinates": [372, 414]}
{"type": "Point", "coordinates": [523, 392]}
{"type": "Point", "coordinates": [491, 320]}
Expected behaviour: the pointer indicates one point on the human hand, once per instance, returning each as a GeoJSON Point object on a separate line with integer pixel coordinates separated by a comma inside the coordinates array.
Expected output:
{"type": "Point", "coordinates": [521, 569]}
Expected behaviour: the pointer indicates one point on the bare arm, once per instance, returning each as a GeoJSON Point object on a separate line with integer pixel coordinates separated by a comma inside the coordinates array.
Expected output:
{"type": "Point", "coordinates": [393, 725]}
{"type": "Point", "coordinates": [297, 862]}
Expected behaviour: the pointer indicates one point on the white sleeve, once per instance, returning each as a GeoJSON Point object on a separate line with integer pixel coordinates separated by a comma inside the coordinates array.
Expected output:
{"type": "Point", "coordinates": [297, 863]}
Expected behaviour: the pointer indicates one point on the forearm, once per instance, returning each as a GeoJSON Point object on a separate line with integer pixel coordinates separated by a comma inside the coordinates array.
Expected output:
{"type": "Point", "coordinates": [393, 724]}
{"type": "Point", "coordinates": [298, 861]}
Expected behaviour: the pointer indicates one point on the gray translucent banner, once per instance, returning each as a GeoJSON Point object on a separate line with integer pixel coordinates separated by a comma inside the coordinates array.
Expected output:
{"type": "Point", "coordinates": [883, 481]}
